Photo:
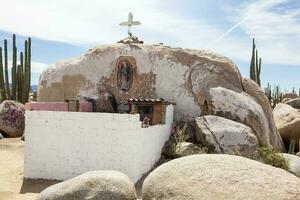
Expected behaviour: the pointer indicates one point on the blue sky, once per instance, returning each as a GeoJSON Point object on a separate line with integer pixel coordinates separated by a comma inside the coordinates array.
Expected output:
{"type": "Point", "coordinates": [61, 29]}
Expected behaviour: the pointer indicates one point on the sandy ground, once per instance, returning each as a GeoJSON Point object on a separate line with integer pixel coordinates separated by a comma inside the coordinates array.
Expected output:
{"type": "Point", "coordinates": [12, 184]}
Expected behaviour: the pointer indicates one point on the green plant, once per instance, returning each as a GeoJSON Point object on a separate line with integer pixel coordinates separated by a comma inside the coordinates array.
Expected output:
{"type": "Point", "coordinates": [292, 147]}
{"type": "Point", "coordinates": [269, 156]}
{"type": "Point", "coordinates": [179, 132]}
{"type": "Point", "coordinates": [20, 73]}
{"type": "Point", "coordinates": [255, 64]}
{"type": "Point", "coordinates": [274, 94]}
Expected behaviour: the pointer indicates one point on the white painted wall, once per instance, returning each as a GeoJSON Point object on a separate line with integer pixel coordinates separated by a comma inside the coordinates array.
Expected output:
{"type": "Point", "coordinates": [61, 145]}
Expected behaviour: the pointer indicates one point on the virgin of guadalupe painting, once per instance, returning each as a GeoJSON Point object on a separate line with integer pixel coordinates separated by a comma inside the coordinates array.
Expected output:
{"type": "Point", "coordinates": [125, 75]}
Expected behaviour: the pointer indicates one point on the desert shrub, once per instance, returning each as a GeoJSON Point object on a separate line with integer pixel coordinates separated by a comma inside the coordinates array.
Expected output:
{"type": "Point", "coordinates": [269, 156]}
{"type": "Point", "coordinates": [179, 132]}
{"type": "Point", "coordinates": [179, 135]}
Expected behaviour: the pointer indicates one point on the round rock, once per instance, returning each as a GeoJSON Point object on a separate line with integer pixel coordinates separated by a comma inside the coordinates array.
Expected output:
{"type": "Point", "coordinates": [12, 118]}
{"type": "Point", "coordinates": [219, 176]}
{"type": "Point", "coordinates": [94, 185]}
{"type": "Point", "coordinates": [294, 163]}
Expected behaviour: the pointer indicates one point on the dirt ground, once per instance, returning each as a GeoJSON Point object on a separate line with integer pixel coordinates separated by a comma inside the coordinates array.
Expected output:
{"type": "Point", "coordinates": [12, 184]}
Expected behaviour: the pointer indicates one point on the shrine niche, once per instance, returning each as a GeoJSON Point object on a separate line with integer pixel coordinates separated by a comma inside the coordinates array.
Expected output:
{"type": "Point", "coordinates": [125, 72]}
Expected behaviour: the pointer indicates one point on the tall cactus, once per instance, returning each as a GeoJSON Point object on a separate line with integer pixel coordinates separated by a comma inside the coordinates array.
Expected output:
{"type": "Point", "coordinates": [255, 64]}
{"type": "Point", "coordinates": [20, 73]}
{"type": "Point", "coordinates": [7, 88]}
{"type": "Point", "coordinates": [20, 80]}
{"type": "Point", "coordinates": [27, 71]}
{"type": "Point", "coordinates": [14, 70]}
{"type": "Point", "coordinates": [2, 84]}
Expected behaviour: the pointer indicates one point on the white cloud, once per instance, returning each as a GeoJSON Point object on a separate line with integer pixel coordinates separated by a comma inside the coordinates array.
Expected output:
{"type": "Point", "coordinates": [37, 67]}
{"type": "Point", "coordinates": [96, 21]}
{"type": "Point", "coordinates": [276, 29]}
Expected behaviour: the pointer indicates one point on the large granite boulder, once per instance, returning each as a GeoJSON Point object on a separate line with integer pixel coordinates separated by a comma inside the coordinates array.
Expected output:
{"type": "Point", "coordinates": [94, 185]}
{"type": "Point", "coordinates": [222, 135]}
{"type": "Point", "coordinates": [287, 120]}
{"type": "Point", "coordinates": [255, 91]}
{"type": "Point", "coordinates": [295, 103]}
{"type": "Point", "coordinates": [242, 108]}
{"type": "Point", "coordinates": [219, 176]}
{"type": "Point", "coordinates": [289, 95]}
{"type": "Point", "coordinates": [294, 163]}
{"type": "Point", "coordinates": [12, 118]}
{"type": "Point", "coordinates": [183, 76]}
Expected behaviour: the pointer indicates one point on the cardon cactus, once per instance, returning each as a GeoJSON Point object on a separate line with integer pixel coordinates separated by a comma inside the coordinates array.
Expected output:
{"type": "Point", "coordinates": [255, 64]}
{"type": "Point", "coordinates": [20, 73]}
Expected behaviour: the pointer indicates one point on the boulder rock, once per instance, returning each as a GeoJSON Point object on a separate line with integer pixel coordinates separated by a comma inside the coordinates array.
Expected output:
{"type": "Point", "coordinates": [298, 154]}
{"type": "Point", "coordinates": [287, 120]}
{"type": "Point", "coordinates": [94, 185]}
{"type": "Point", "coordinates": [225, 136]}
{"type": "Point", "coordinates": [242, 108]}
{"type": "Point", "coordinates": [289, 95]}
{"type": "Point", "coordinates": [294, 163]}
{"type": "Point", "coordinates": [181, 149]}
{"type": "Point", "coordinates": [285, 100]}
{"type": "Point", "coordinates": [187, 148]}
{"type": "Point", "coordinates": [219, 176]}
{"type": "Point", "coordinates": [1, 137]}
{"type": "Point", "coordinates": [255, 91]}
{"type": "Point", "coordinates": [295, 103]}
{"type": "Point", "coordinates": [12, 118]}
{"type": "Point", "coordinates": [183, 76]}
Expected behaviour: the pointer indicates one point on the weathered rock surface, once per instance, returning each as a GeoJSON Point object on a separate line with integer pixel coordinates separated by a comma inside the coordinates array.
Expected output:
{"type": "Point", "coordinates": [219, 176]}
{"type": "Point", "coordinates": [225, 136]}
{"type": "Point", "coordinates": [295, 103]}
{"type": "Point", "coordinates": [294, 163]}
{"type": "Point", "coordinates": [1, 136]}
{"type": "Point", "coordinates": [183, 76]}
{"type": "Point", "coordinates": [289, 95]}
{"type": "Point", "coordinates": [178, 75]}
{"type": "Point", "coordinates": [12, 118]}
{"type": "Point", "coordinates": [240, 107]}
{"type": "Point", "coordinates": [255, 91]}
{"type": "Point", "coordinates": [287, 120]}
{"type": "Point", "coordinates": [94, 185]}
{"type": "Point", "coordinates": [285, 100]}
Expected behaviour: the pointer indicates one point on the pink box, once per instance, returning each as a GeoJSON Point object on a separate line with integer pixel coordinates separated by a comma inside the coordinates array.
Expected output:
{"type": "Point", "coordinates": [49, 106]}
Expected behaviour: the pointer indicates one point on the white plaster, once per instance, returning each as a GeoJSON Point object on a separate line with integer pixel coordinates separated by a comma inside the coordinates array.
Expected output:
{"type": "Point", "coordinates": [171, 76]}
{"type": "Point", "coordinates": [62, 145]}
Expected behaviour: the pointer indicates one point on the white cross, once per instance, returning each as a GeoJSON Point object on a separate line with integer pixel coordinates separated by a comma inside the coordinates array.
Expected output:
{"type": "Point", "coordinates": [130, 23]}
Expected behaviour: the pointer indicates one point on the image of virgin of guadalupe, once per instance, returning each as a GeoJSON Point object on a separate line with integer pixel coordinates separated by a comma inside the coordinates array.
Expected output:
{"type": "Point", "coordinates": [124, 76]}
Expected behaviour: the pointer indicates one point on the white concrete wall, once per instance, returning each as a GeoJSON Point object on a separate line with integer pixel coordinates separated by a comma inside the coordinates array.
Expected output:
{"type": "Point", "coordinates": [61, 145]}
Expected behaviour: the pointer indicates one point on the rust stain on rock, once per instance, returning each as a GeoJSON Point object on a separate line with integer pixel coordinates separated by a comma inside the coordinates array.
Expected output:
{"type": "Point", "coordinates": [68, 88]}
